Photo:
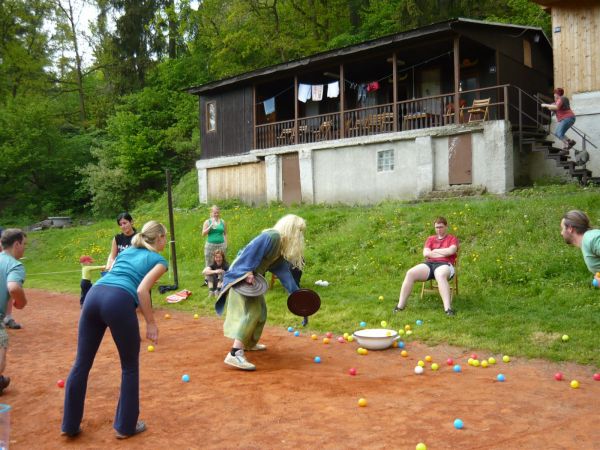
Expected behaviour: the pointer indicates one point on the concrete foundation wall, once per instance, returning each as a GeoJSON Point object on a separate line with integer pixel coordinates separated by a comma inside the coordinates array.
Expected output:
{"type": "Point", "coordinates": [345, 171]}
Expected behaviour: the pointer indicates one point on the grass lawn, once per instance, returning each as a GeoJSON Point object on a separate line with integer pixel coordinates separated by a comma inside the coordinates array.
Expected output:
{"type": "Point", "coordinates": [521, 286]}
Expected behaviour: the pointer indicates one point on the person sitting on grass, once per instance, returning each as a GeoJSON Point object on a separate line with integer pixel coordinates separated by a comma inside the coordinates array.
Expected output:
{"type": "Point", "coordinates": [576, 230]}
{"type": "Point", "coordinates": [440, 256]}
{"type": "Point", "coordinates": [86, 276]}
{"type": "Point", "coordinates": [214, 272]}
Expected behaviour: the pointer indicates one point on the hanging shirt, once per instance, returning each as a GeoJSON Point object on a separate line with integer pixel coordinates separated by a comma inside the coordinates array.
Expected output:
{"type": "Point", "coordinates": [333, 89]}
{"type": "Point", "coordinates": [304, 92]}
{"type": "Point", "coordinates": [317, 92]}
{"type": "Point", "coordinates": [269, 105]}
{"type": "Point", "coordinates": [373, 86]}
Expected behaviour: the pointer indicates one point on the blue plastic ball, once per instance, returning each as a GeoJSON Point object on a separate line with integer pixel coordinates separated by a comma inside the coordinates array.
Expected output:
{"type": "Point", "coordinates": [595, 283]}
{"type": "Point", "coordinates": [458, 424]}
{"type": "Point", "coordinates": [500, 377]}
{"type": "Point", "coordinates": [400, 344]}
{"type": "Point", "coordinates": [317, 359]}
{"type": "Point", "coordinates": [419, 322]}
{"type": "Point", "coordinates": [185, 378]}
{"type": "Point", "coordinates": [457, 368]}
{"type": "Point", "coordinates": [296, 333]}
{"type": "Point", "coordinates": [290, 329]}
{"type": "Point", "coordinates": [363, 324]}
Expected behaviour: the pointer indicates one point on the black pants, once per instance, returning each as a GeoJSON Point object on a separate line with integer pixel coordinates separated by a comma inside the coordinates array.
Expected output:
{"type": "Point", "coordinates": [85, 285]}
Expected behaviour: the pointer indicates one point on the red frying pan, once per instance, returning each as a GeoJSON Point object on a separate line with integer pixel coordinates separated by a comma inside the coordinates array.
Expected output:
{"type": "Point", "coordinates": [304, 302]}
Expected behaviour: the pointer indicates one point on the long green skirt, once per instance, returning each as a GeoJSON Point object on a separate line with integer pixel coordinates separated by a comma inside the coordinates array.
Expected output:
{"type": "Point", "coordinates": [245, 318]}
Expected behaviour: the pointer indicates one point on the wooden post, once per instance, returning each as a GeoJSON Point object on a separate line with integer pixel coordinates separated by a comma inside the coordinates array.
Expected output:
{"type": "Point", "coordinates": [295, 109]}
{"type": "Point", "coordinates": [456, 48]}
{"type": "Point", "coordinates": [394, 91]}
{"type": "Point", "coordinates": [342, 103]}
{"type": "Point", "coordinates": [254, 116]}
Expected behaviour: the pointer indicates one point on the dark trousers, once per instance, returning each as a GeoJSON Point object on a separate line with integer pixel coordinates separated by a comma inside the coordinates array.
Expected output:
{"type": "Point", "coordinates": [85, 285]}
{"type": "Point", "coordinates": [112, 307]}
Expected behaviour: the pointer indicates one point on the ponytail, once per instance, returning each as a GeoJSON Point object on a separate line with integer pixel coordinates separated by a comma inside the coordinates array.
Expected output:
{"type": "Point", "coordinates": [151, 231]}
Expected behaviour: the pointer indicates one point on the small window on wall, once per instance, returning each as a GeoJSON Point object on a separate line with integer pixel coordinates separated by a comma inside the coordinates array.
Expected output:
{"type": "Point", "coordinates": [211, 116]}
{"type": "Point", "coordinates": [527, 53]}
{"type": "Point", "coordinates": [385, 160]}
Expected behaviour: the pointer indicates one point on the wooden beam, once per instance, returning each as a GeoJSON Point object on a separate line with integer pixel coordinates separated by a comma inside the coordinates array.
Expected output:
{"type": "Point", "coordinates": [342, 103]}
{"type": "Point", "coordinates": [456, 51]}
{"type": "Point", "coordinates": [296, 109]}
{"type": "Point", "coordinates": [394, 91]}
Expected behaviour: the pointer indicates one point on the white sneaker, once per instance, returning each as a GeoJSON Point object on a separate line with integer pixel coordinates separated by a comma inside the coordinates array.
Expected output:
{"type": "Point", "coordinates": [239, 361]}
{"type": "Point", "coordinates": [258, 348]}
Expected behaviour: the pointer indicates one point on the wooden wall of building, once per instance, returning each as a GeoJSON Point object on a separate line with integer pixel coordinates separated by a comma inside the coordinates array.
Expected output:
{"type": "Point", "coordinates": [576, 55]}
{"type": "Point", "coordinates": [246, 182]}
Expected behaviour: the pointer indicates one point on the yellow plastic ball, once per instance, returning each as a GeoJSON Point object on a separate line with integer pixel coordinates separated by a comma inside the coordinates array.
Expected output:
{"type": "Point", "coordinates": [407, 327]}
{"type": "Point", "coordinates": [401, 332]}
{"type": "Point", "coordinates": [475, 363]}
{"type": "Point", "coordinates": [428, 358]}
{"type": "Point", "coordinates": [421, 446]}
{"type": "Point", "coordinates": [470, 361]}
{"type": "Point", "coordinates": [314, 337]}
{"type": "Point", "coordinates": [506, 358]}
{"type": "Point", "coordinates": [346, 336]}
{"type": "Point", "coordinates": [404, 353]}
{"type": "Point", "coordinates": [196, 316]}
{"type": "Point", "coordinates": [484, 363]}
{"type": "Point", "coordinates": [383, 324]}
{"type": "Point", "coordinates": [151, 348]}
{"type": "Point", "coordinates": [408, 332]}
{"type": "Point", "coordinates": [492, 360]}
{"type": "Point", "coordinates": [435, 366]}
{"type": "Point", "coordinates": [325, 340]}
{"type": "Point", "coordinates": [395, 344]}
{"type": "Point", "coordinates": [381, 298]}
{"type": "Point", "coordinates": [350, 338]}
{"type": "Point", "coordinates": [421, 363]}
{"type": "Point", "coordinates": [575, 384]}
{"type": "Point", "coordinates": [362, 402]}
{"type": "Point", "coordinates": [167, 316]}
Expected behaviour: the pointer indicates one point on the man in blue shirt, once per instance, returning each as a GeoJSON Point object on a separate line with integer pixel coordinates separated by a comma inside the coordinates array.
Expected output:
{"type": "Point", "coordinates": [12, 277]}
{"type": "Point", "coordinates": [576, 230]}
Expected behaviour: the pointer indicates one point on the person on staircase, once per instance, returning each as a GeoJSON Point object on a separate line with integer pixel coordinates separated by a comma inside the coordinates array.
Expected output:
{"type": "Point", "coordinates": [564, 116]}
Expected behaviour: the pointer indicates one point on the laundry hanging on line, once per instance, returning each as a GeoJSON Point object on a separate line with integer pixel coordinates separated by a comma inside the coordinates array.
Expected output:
{"type": "Point", "coordinates": [269, 105]}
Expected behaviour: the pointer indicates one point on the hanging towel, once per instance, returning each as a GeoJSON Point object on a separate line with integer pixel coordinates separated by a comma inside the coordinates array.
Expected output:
{"type": "Point", "coordinates": [333, 89]}
{"type": "Point", "coordinates": [362, 93]}
{"type": "Point", "coordinates": [304, 91]}
{"type": "Point", "coordinates": [373, 86]}
{"type": "Point", "coordinates": [317, 92]}
{"type": "Point", "coordinates": [269, 105]}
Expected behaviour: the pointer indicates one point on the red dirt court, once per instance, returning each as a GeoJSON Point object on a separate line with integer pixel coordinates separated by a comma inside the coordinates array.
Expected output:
{"type": "Point", "coordinates": [290, 401]}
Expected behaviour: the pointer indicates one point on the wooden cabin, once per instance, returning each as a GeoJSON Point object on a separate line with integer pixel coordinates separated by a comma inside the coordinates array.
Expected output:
{"type": "Point", "coordinates": [269, 134]}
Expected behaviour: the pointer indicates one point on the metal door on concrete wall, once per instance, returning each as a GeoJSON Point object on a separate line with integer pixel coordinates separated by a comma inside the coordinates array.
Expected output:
{"type": "Point", "coordinates": [460, 161]}
{"type": "Point", "coordinates": [290, 179]}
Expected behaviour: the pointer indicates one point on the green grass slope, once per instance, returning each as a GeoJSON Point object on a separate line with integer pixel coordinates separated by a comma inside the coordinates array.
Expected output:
{"type": "Point", "coordinates": [521, 286]}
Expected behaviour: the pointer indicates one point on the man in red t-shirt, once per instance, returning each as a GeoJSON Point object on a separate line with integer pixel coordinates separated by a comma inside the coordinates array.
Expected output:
{"type": "Point", "coordinates": [440, 255]}
{"type": "Point", "coordinates": [565, 117]}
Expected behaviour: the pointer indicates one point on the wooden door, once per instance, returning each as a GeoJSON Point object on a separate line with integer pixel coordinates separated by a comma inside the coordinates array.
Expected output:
{"type": "Point", "coordinates": [290, 179]}
{"type": "Point", "coordinates": [460, 159]}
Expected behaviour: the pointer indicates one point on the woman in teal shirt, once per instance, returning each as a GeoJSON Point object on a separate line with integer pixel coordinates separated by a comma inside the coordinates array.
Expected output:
{"type": "Point", "coordinates": [112, 303]}
{"type": "Point", "coordinates": [215, 230]}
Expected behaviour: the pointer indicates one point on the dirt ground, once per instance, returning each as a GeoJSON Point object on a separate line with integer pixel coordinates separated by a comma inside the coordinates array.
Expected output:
{"type": "Point", "coordinates": [290, 401]}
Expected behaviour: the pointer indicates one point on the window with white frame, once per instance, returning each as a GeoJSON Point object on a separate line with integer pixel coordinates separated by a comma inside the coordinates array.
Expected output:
{"type": "Point", "coordinates": [385, 160]}
{"type": "Point", "coordinates": [211, 116]}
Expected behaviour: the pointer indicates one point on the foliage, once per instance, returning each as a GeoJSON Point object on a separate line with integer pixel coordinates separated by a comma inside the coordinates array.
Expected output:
{"type": "Point", "coordinates": [521, 287]}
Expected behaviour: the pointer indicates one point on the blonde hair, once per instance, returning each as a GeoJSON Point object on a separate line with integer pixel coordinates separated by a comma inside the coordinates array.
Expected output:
{"type": "Point", "coordinates": [291, 229]}
{"type": "Point", "coordinates": [151, 231]}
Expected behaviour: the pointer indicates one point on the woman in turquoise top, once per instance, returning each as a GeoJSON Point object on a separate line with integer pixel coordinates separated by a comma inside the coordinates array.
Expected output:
{"type": "Point", "coordinates": [112, 303]}
{"type": "Point", "coordinates": [215, 230]}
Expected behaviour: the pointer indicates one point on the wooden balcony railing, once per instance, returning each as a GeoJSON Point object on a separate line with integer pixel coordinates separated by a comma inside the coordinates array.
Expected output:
{"type": "Point", "coordinates": [427, 112]}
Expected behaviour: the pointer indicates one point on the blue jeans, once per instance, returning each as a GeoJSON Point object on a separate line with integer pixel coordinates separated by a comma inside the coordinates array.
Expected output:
{"type": "Point", "coordinates": [563, 126]}
{"type": "Point", "coordinates": [112, 307]}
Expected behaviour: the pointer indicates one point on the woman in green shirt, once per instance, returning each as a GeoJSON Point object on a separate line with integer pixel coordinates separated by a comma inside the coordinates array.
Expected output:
{"type": "Point", "coordinates": [215, 230]}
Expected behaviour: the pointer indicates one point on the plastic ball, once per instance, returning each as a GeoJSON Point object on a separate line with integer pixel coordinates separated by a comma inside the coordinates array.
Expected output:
{"type": "Point", "coordinates": [167, 316]}
{"type": "Point", "coordinates": [185, 378]}
{"type": "Point", "coordinates": [506, 358]}
{"type": "Point", "coordinates": [470, 361]}
{"type": "Point", "coordinates": [151, 348]}
{"type": "Point", "coordinates": [60, 383]}
{"type": "Point", "coordinates": [458, 424]}
{"type": "Point", "coordinates": [597, 376]}
{"type": "Point", "coordinates": [381, 298]}
{"type": "Point", "coordinates": [558, 376]}
{"type": "Point", "coordinates": [435, 366]}
{"type": "Point", "coordinates": [457, 368]}
{"type": "Point", "coordinates": [419, 322]}
{"type": "Point", "coordinates": [196, 316]}
{"type": "Point", "coordinates": [362, 402]}
{"type": "Point", "coordinates": [296, 333]}
{"type": "Point", "coordinates": [407, 327]}
{"type": "Point", "coordinates": [492, 360]}
{"type": "Point", "coordinates": [329, 334]}
{"type": "Point", "coordinates": [421, 446]}
{"type": "Point", "coordinates": [595, 283]}
{"type": "Point", "coordinates": [383, 324]}
{"type": "Point", "coordinates": [290, 329]}
{"type": "Point", "coordinates": [475, 363]}
{"type": "Point", "coordinates": [346, 335]}
{"type": "Point", "coordinates": [484, 363]}
{"type": "Point", "coordinates": [401, 332]}
{"type": "Point", "coordinates": [575, 384]}
{"type": "Point", "coordinates": [317, 359]}
{"type": "Point", "coordinates": [341, 340]}
{"type": "Point", "coordinates": [363, 324]}
{"type": "Point", "coordinates": [314, 337]}
{"type": "Point", "coordinates": [418, 370]}
{"type": "Point", "coordinates": [408, 332]}
{"type": "Point", "coordinates": [565, 337]}
{"type": "Point", "coordinates": [352, 371]}
{"type": "Point", "coordinates": [450, 361]}
{"type": "Point", "coordinates": [325, 340]}
{"type": "Point", "coordinates": [400, 344]}
{"type": "Point", "coordinates": [364, 352]}
{"type": "Point", "coordinates": [428, 358]}
{"type": "Point", "coordinates": [404, 353]}
{"type": "Point", "coordinates": [421, 363]}
{"type": "Point", "coordinates": [395, 344]}
{"type": "Point", "coordinates": [350, 338]}
{"type": "Point", "coordinates": [473, 355]}
{"type": "Point", "coordinates": [500, 377]}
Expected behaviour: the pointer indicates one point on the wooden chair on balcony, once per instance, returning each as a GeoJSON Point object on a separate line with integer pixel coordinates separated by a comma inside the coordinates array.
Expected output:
{"type": "Point", "coordinates": [324, 131]}
{"type": "Point", "coordinates": [449, 114]}
{"type": "Point", "coordinates": [479, 109]}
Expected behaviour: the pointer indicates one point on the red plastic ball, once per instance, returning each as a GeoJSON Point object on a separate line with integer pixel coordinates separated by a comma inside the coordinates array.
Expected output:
{"type": "Point", "coordinates": [352, 371]}
{"type": "Point", "coordinates": [558, 376]}
{"type": "Point", "coordinates": [597, 376]}
{"type": "Point", "coordinates": [60, 383]}
{"type": "Point", "coordinates": [450, 361]}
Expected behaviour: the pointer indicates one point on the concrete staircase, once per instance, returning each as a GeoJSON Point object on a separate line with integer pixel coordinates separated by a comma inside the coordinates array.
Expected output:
{"type": "Point", "coordinates": [539, 141]}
